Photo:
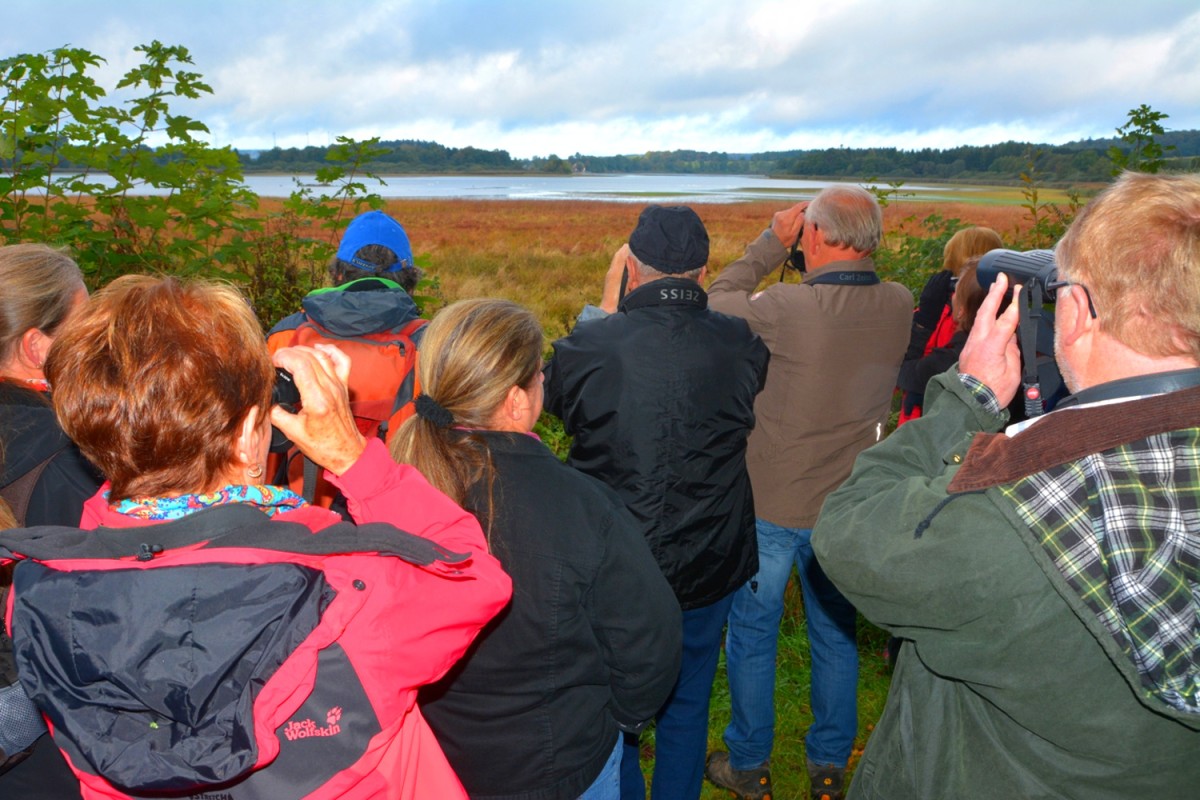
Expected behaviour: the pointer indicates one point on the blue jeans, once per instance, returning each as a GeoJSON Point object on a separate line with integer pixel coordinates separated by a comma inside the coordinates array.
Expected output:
{"type": "Point", "coordinates": [607, 785]}
{"type": "Point", "coordinates": [681, 727]}
{"type": "Point", "coordinates": [752, 641]}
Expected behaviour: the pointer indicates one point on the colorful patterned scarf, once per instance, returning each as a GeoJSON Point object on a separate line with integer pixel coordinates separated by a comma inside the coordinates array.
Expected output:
{"type": "Point", "coordinates": [271, 500]}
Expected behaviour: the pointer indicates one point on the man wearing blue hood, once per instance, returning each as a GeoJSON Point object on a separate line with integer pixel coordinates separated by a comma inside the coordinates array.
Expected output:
{"type": "Point", "coordinates": [370, 314]}
{"type": "Point", "coordinates": [375, 259]}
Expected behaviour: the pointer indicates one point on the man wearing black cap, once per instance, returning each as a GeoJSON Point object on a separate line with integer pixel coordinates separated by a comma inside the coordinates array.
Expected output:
{"type": "Point", "coordinates": [659, 397]}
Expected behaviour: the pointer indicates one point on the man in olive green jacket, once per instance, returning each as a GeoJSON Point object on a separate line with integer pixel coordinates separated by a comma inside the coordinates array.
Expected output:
{"type": "Point", "coordinates": [1045, 578]}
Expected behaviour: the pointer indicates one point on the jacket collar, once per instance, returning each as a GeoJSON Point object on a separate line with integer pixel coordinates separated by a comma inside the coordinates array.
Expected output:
{"type": "Point", "coordinates": [995, 459]}
{"type": "Point", "coordinates": [1137, 386]}
{"type": "Point", "coordinates": [355, 313]}
{"type": "Point", "coordinates": [666, 292]}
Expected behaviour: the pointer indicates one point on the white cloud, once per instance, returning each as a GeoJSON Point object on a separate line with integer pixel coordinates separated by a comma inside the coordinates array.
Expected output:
{"type": "Point", "coordinates": [629, 76]}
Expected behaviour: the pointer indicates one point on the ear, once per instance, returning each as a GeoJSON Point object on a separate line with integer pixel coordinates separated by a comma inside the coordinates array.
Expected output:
{"type": "Point", "coordinates": [634, 278]}
{"type": "Point", "coordinates": [812, 242]}
{"type": "Point", "coordinates": [35, 346]}
{"type": "Point", "coordinates": [249, 442]}
{"type": "Point", "coordinates": [1072, 319]}
{"type": "Point", "coordinates": [516, 403]}
{"type": "Point", "coordinates": [703, 276]}
{"type": "Point", "coordinates": [512, 410]}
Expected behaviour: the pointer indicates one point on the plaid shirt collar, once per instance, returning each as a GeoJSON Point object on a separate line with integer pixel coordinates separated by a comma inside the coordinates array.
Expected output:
{"type": "Point", "coordinates": [1111, 495]}
{"type": "Point", "coordinates": [1123, 529]}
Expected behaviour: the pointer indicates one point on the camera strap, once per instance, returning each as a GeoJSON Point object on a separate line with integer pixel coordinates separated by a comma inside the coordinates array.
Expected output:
{"type": "Point", "coordinates": [1137, 386]}
{"type": "Point", "coordinates": [844, 278]}
{"type": "Point", "coordinates": [1030, 314]}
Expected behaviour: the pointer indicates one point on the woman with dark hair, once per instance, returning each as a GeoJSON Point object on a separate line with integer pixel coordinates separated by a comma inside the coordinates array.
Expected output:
{"type": "Point", "coordinates": [591, 642]}
{"type": "Point", "coordinates": [933, 324]}
{"type": "Point", "coordinates": [43, 477]}
{"type": "Point", "coordinates": [167, 387]}
{"type": "Point", "coordinates": [918, 368]}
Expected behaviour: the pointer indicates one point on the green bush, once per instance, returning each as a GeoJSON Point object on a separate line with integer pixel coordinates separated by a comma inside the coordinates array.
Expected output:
{"type": "Point", "coordinates": [129, 187]}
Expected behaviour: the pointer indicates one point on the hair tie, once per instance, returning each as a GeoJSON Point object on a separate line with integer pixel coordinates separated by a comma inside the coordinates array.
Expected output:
{"type": "Point", "coordinates": [432, 410]}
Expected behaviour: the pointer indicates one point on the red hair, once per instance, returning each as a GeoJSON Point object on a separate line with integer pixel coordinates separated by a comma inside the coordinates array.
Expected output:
{"type": "Point", "coordinates": [154, 379]}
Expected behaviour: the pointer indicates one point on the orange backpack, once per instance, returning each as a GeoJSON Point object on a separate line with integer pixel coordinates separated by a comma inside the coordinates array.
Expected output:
{"type": "Point", "coordinates": [383, 385]}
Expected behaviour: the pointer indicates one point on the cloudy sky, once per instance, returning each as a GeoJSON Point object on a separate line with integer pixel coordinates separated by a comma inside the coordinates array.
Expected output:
{"type": "Point", "coordinates": [626, 76]}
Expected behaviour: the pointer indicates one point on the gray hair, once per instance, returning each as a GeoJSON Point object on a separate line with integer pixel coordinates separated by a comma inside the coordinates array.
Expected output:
{"type": "Point", "coordinates": [40, 286]}
{"type": "Point", "coordinates": [648, 273]}
{"type": "Point", "coordinates": [849, 216]}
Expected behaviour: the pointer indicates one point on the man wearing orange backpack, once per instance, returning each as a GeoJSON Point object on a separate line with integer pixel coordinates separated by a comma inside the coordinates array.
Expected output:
{"type": "Point", "coordinates": [369, 314]}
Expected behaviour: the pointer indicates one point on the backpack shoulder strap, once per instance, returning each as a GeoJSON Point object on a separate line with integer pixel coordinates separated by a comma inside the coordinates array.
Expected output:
{"type": "Point", "coordinates": [18, 493]}
{"type": "Point", "coordinates": [414, 328]}
{"type": "Point", "coordinates": [312, 472]}
{"type": "Point", "coordinates": [402, 409]}
{"type": "Point", "coordinates": [231, 525]}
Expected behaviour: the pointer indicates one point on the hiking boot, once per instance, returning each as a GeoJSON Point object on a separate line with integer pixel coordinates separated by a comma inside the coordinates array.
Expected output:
{"type": "Point", "coordinates": [826, 781]}
{"type": "Point", "coordinates": [746, 784]}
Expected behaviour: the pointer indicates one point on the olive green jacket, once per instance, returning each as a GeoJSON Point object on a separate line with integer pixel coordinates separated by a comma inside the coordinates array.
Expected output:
{"type": "Point", "coordinates": [1007, 685]}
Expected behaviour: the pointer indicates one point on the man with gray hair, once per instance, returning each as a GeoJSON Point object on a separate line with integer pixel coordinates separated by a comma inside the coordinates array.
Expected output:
{"type": "Point", "coordinates": [1044, 578]}
{"type": "Point", "coordinates": [836, 342]}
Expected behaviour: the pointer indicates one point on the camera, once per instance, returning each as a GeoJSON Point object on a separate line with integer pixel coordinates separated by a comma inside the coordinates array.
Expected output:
{"type": "Point", "coordinates": [284, 394]}
{"type": "Point", "coordinates": [1035, 270]}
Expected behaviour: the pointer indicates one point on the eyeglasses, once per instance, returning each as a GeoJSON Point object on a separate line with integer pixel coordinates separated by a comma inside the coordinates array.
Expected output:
{"type": "Point", "coordinates": [1054, 286]}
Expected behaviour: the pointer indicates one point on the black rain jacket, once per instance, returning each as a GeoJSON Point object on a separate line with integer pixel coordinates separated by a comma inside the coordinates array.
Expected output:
{"type": "Point", "coordinates": [659, 398]}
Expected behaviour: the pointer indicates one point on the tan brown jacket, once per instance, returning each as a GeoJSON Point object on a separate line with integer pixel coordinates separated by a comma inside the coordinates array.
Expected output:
{"type": "Point", "coordinates": [835, 354]}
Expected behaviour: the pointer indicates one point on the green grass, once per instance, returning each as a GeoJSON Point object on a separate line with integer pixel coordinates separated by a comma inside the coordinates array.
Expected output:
{"type": "Point", "coordinates": [789, 775]}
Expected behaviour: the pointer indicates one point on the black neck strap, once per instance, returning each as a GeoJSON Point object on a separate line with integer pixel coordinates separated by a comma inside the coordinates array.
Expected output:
{"type": "Point", "coordinates": [844, 278]}
{"type": "Point", "coordinates": [1137, 386]}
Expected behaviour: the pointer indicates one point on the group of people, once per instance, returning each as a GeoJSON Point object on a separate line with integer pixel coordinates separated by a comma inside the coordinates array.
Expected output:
{"type": "Point", "coordinates": [476, 618]}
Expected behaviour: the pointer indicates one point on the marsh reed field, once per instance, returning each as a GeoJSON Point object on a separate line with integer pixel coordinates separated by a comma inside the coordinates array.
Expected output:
{"type": "Point", "coordinates": [551, 256]}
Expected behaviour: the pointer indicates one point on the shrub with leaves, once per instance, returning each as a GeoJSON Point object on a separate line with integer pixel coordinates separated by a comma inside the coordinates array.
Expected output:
{"type": "Point", "coordinates": [1144, 153]}
{"type": "Point", "coordinates": [129, 186]}
{"type": "Point", "coordinates": [78, 172]}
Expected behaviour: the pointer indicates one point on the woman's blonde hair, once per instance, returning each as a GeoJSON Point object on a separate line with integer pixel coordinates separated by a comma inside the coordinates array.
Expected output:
{"type": "Point", "coordinates": [967, 243]}
{"type": "Point", "coordinates": [40, 287]}
{"type": "Point", "coordinates": [472, 353]}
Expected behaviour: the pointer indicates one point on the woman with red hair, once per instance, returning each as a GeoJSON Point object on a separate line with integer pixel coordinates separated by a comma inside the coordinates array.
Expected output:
{"type": "Point", "coordinates": [167, 386]}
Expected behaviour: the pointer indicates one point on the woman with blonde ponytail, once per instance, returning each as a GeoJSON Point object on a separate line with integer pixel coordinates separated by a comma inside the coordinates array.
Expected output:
{"type": "Point", "coordinates": [590, 644]}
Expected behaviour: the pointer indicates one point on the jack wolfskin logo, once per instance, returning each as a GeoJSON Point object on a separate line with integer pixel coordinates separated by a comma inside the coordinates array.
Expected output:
{"type": "Point", "coordinates": [307, 727]}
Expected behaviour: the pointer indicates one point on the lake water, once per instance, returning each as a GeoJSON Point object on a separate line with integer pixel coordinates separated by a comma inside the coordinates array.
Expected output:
{"type": "Point", "coordinates": [609, 188]}
{"type": "Point", "coordinates": [606, 188]}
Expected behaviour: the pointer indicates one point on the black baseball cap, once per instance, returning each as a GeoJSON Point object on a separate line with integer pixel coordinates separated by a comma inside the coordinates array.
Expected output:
{"type": "Point", "coordinates": [671, 239]}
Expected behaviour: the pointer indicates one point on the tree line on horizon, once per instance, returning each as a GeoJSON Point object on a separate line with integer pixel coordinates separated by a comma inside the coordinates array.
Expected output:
{"type": "Point", "coordinates": [74, 167]}
{"type": "Point", "coordinates": [1088, 160]}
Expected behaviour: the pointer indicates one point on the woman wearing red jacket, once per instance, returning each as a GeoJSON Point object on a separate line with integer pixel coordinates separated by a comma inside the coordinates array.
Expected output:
{"type": "Point", "coordinates": [167, 387]}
